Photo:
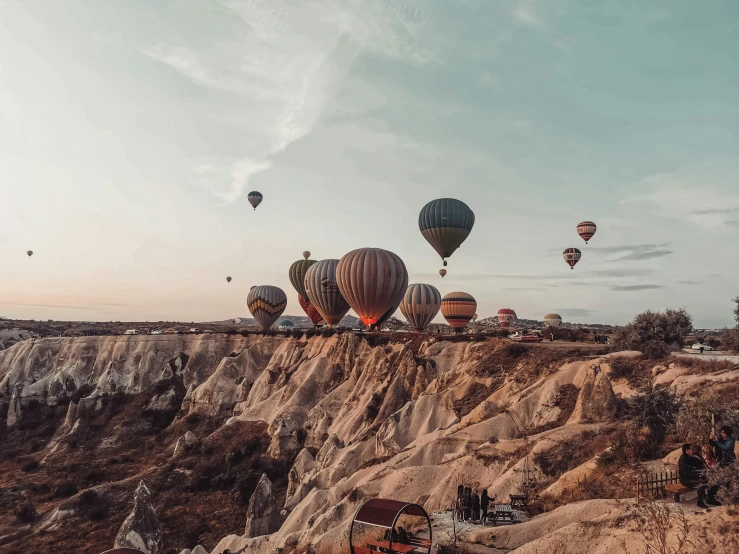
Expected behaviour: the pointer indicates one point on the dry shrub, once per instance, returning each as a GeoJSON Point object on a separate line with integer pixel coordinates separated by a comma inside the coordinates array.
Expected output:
{"type": "Point", "coordinates": [727, 479]}
{"type": "Point", "coordinates": [695, 416]}
{"type": "Point", "coordinates": [663, 528]}
{"type": "Point", "coordinates": [565, 456]}
{"type": "Point", "coordinates": [702, 366]}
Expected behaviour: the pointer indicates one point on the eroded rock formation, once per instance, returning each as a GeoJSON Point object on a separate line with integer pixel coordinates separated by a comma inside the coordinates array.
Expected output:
{"type": "Point", "coordinates": [140, 530]}
{"type": "Point", "coordinates": [263, 515]}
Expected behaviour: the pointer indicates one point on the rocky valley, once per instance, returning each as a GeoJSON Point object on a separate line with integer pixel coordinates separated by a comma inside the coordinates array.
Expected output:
{"type": "Point", "coordinates": [270, 443]}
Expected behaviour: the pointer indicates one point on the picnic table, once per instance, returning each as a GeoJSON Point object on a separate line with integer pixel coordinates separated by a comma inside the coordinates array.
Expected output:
{"type": "Point", "coordinates": [518, 501]}
{"type": "Point", "coordinates": [397, 548]}
{"type": "Point", "coordinates": [502, 512]}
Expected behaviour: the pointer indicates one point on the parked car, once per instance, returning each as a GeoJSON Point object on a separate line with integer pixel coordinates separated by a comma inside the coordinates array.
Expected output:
{"type": "Point", "coordinates": [698, 346]}
{"type": "Point", "coordinates": [526, 338]}
{"type": "Point", "coordinates": [157, 332]}
{"type": "Point", "coordinates": [194, 330]}
{"type": "Point", "coordinates": [130, 332]}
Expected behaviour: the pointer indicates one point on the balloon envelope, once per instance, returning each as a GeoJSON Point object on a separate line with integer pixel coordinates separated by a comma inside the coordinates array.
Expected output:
{"type": "Point", "coordinates": [442, 272]}
{"type": "Point", "coordinates": [266, 303]}
{"type": "Point", "coordinates": [373, 282]}
{"type": "Point", "coordinates": [297, 273]}
{"type": "Point", "coordinates": [30, 253]}
{"type": "Point", "coordinates": [552, 320]}
{"type": "Point", "coordinates": [506, 316]}
{"type": "Point", "coordinates": [323, 292]}
{"type": "Point", "coordinates": [420, 305]}
{"type": "Point", "coordinates": [254, 198]}
{"type": "Point", "coordinates": [306, 254]}
{"type": "Point", "coordinates": [446, 223]}
{"type": "Point", "coordinates": [310, 311]}
{"type": "Point", "coordinates": [586, 229]}
{"type": "Point", "coordinates": [228, 279]}
{"type": "Point", "coordinates": [572, 256]}
{"type": "Point", "coordinates": [458, 308]}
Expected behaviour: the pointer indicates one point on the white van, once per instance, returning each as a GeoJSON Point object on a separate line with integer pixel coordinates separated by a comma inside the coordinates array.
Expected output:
{"type": "Point", "coordinates": [130, 332]}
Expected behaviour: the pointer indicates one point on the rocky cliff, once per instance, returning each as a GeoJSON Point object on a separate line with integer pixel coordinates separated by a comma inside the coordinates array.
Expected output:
{"type": "Point", "coordinates": [279, 440]}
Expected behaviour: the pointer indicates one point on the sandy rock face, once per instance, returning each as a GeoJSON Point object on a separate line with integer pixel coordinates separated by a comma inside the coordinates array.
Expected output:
{"type": "Point", "coordinates": [141, 528]}
{"type": "Point", "coordinates": [263, 515]}
{"type": "Point", "coordinates": [596, 401]}
{"type": "Point", "coordinates": [14, 412]}
{"type": "Point", "coordinates": [184, 443]}
{"type": "Point", "coordinates": [303, 465]}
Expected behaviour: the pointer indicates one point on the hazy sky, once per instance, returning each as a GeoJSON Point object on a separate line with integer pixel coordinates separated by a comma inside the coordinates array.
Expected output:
{"type": "Point", "coordinates": [132, 131]}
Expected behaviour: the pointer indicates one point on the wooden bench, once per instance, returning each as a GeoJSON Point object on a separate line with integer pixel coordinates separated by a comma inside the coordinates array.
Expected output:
{"type": "Point", "coordinates": [363, 550]}
{"type": "Point", "coordinates": [677, 489]}
{"type": "Point", "coordinates": [519, 501]}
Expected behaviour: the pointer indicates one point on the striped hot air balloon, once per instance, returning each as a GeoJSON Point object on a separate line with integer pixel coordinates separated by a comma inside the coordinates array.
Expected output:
{"type": "Point", "coordinates": [552, 320]}
{"type": "Point", "coordinates": [420, 305]}
{"type": "Point", "coordinates": [446, 223]}
{"type": "Point", "coordinates": [323, 292]}
{"type": "Point", "coordinates": [586, 229]}
{"type": "Point", "coordinates": [506, 316]}
{"type": "Point", "coordinates": [373, 282]}
{"type": "Point", "coordinates": [266, 303]}
{"type": "Point", "coordinates": [572, 256]}
{"type": "Point", "coordinates": [458, 308]}
{"type": "Point", "coordinates": [297, 273]}
{"type": "Point", "coordinates": [310, 311]}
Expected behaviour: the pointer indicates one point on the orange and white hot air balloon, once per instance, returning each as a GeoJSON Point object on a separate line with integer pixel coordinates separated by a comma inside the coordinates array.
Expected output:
{"type": "Point", "coordinates": [458, 309]}
{"type": "Point", "coordinates": [506, 316]}
{"type": "Point", "coordinates": [552, 320]}
{"type": "Point", "coordinates": [572, 256]}
{"type": "Point", "coordinates": [586, 229]}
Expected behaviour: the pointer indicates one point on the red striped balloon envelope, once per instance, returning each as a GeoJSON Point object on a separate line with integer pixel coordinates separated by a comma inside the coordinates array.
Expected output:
{"type": "Point", "coordinates": [310, 311]}
{"type": "Point", "coordinates": [586, 229]}
{"type": "Point", "coordinates": [458, 308]}
{"type": "Point", "coordinates": [506, 316]}
{"type": "Point", "coordinates": [572, 256]}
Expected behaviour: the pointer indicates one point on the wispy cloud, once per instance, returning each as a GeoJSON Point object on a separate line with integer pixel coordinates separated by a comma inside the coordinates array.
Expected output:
{"type": "Point", "coordinates": [631, 288]}
{"type": "Point", "coordinates": [526, 16]}
{"type": "Point", "coordinates": [636, 252]}
{"type": "Point", "coordinates": [574, 312]}
{"type": "Point", "coordinates": [286, 65]}
{"type": "Point", "coordinates": [688, 282]}
{"type": "Point", "coordinates": [703, 196]}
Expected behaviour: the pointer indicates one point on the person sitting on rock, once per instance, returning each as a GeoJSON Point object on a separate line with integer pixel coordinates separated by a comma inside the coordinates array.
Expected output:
{"type": "Point", "coordinates": [724, 446]}
{"type": "Point", "coordinates": [690, 472]}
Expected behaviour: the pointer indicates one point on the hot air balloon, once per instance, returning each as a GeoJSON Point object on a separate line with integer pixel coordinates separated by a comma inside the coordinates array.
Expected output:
{"type": "Point", "coordinates": [552, 320]}
{"type": "Point", "coordinates": [266, 303]}
{"type": "Point", "coordinates": [572, 256]}
{"type": "Point", "coordinates": [253, 287]}
{"type": "Point", "coordinates": [474, 317]}
{"type": "Point", "coordinates": [586, 229]}
{"type": "Point", "coordinates": [237, 321]}
{"type": "Point", "coordinates": [323, 292]}
{"type": "Point", "coordinates": [458, 308]}
{"type": "Point", "coordinates": [306, 254]}
{"type": "Point", "coordinates": [254, 198]}
{"type": "Point", "coordinates": [420, 305]}
{"type": "Point", "coordinates": [311, 311]}
{"type": "Point", "coordinates": [445, 223]}
{"type": "Point", "coordinates": [297, 273]}
{"type": "Point", "coordinates": [30, 253]}
{"type": "Point", "coordinates": [506, 316]}
{"type": "Point", "coordinates": [442, 272]}
{"type": "Point", "coordinates": [373, 282]}
{"type": "Point", "coordinates": [228, 279]}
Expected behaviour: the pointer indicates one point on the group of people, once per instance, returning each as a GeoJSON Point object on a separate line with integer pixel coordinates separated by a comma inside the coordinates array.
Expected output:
{"type": "Point", "coordinates": [471, 506]}
{"type": "Point", "coordinates": [602, 339]}
{"type": "Point", "coordinates": [695, 460]}
{"type": "Point", "coordinates": [400, 536]}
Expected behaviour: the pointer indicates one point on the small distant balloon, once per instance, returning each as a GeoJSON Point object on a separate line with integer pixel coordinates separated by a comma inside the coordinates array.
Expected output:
{"type": "Point", "coordinates": [228, 279]}
{"type": "Point", "coordinates": [572, 256]}
{"type": "Point", "coordinates": [306, 254]}
{"type": "Point", "coordinates": [442, 272]}
{"type": "Point", "coordinates": [30, 253]}
{"type": "Point", "coordinates": [474, 317]}
{"type": "Point", "coordinates": [586, 229]}
{"type": "Point", "coordinates": [237, 321]}
{"type": "Point", "coordinates": [254, 198]}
